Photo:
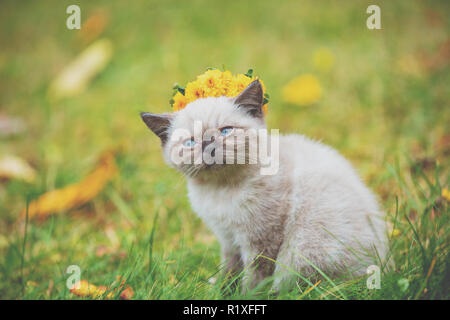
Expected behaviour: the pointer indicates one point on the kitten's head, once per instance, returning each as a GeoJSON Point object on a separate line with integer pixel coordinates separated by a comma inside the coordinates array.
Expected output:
{"type": "Point", "coordinates": [210, 136]}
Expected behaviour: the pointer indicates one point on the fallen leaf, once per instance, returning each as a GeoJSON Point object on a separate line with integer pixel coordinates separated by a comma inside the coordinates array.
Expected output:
{"type": "Point", "coordinates": [93, 26]}
{"type": "Point", "coordinates": [77, 194]}
{"type": "Point", "coordinates": [127, 294]}
{"type": "Point", "coordinates": [86, 289]}
{"type": "Point", "coordinates": [12, 167]}
{"type": "Point", "coordinates": [303, 90]}
{"type": "Point", "coordinates": [76, 76]}
{"type": "Point", "coordinates": [446, 194]}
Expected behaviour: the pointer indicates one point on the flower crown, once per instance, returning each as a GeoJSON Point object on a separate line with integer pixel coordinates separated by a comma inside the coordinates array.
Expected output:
{"type": "Point", "coordinates": [214, 83]}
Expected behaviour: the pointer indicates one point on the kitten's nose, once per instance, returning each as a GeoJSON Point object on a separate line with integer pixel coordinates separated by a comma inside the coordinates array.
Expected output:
{"type": "Point", "coordinates": [206, 143]}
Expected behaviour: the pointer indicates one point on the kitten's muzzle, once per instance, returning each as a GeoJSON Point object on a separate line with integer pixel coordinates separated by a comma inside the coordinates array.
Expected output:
{"type": "Point", "coordinates": [206, 144]}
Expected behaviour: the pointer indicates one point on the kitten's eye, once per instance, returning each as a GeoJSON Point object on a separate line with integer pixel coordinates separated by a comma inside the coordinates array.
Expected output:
{"type": "Point", "coordinates": [189, 143]}
{"type": "Point", "coordinates": [226, 131]}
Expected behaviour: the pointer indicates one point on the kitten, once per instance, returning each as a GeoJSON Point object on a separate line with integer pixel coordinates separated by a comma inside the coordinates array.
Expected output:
{"type": "Point", "coordinates": [313, 213]}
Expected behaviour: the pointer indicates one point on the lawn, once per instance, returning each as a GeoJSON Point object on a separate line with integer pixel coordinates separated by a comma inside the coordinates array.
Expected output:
{"type": "Point", "coordinates": [384, 104]}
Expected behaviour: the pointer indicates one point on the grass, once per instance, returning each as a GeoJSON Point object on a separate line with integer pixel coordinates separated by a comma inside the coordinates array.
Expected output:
{"type": "Point", "coordinates": [384, 106]}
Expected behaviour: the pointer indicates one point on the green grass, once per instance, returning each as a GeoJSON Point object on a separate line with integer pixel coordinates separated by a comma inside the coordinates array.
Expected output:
{"type": "Point", "coordinates": [383, 107]}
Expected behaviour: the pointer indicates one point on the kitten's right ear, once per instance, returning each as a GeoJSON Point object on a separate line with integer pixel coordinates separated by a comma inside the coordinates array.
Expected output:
{"type": "Point", "coordinates": [158, 123]}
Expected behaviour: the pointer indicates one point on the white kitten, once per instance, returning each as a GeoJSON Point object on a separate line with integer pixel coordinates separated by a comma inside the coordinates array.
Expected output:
{"type": "Point", "coordinates": [315, 212]}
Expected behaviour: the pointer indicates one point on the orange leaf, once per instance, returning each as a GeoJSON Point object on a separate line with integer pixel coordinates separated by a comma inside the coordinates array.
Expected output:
{"type": "Point", "coordinates": [77, 194]}
{"type": "Point", "coordinates": [127, 294]}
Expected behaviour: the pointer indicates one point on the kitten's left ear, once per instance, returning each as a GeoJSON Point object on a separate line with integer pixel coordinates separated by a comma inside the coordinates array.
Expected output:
{"type": "Point", "coordinates": [252, 99]}
{"type": "Point", "coordinates": [158, 123]}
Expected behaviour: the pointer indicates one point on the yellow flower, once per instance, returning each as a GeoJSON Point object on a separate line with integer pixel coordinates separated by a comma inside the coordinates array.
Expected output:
{"type": "Point", "coordinates": [210, 78]}
{"type": "Point", "coordinates": [214, 83]}
{"type": "Point", "coordinates": [446, 194]}
{"type": "Point", "coordinates": [194, 91]}
{"type": "Point", "coordinates": [303, 90]}
{"type": "Point", "coordinates": [241, 82]}
{"type": "Point", "coordinates": [323, 59]}
{"type": "Point", "coordinates": [180, 101]}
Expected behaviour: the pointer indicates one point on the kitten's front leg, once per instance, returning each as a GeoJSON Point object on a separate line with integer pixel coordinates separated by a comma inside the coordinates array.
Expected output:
{"type": "Point", "coordinates": [257, 268]}
{"type": "Point", "coordinates": [231, 260]}
{"type": "Point", "coordinates": [233, 265]}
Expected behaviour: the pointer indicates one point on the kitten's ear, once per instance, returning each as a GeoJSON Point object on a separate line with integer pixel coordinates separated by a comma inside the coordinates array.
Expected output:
{"type": "Point", "coordinates": [252, 99]}
{"type": "Point", "coordinates": [158, 123]}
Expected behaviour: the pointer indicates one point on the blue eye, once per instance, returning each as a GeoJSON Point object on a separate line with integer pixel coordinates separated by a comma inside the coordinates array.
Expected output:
{"type": "Point", "coordinates": [226, 131]}
{"type": "Point", "coordinates": [189, 143]}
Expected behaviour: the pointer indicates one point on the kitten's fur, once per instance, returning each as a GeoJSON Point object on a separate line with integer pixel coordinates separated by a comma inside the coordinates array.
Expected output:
{"type": "Point", "coordinates": [314, 212]}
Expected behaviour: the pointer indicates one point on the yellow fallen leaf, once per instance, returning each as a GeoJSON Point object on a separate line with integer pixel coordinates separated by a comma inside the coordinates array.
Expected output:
{"type": "Point", "coordinates": [74, 195]}
{"type": "Point", "coordinates": [446, 194]}
{"type": "Point", "coordinates": [75, 77]}
{"type": "Point", "coordinates": [12, 167]}
{"type": "Point", "coordinates": [303, 90]}
{"type": "Point", "coordinates": [86, 289]}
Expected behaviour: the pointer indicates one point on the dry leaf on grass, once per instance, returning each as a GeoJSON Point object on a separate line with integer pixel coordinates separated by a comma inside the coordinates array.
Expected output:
{"type": "Point", "coordinates": [12, 167]}
{"type": "Point", "coordinates": [77, 194]}
{"type": "Point", "coordinates": [76, 76]}
{"type": "Point", "coordinates": [93, 26]}
{"type": "Point", "coordinates": [127, 294]}
{"type": "Point", "coordinates": [86, 289]}
{"type": "Point", "coordinates": [446, 194]}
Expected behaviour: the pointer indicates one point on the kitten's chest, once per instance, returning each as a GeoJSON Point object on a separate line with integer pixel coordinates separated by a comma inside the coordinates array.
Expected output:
{"type": "Point", "coordinates": [225, 207]}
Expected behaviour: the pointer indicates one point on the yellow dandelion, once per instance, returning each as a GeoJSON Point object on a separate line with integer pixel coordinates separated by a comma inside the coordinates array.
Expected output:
{"type": "Point", "coordinates": [180, 101]}
{"type": "Point", "coordinates": [210, 78]}
{"type": "Point", "coordinates": [323, 59]}
{"type": "Point", "coordinates": [303, 90]}
{"type": "Point", "coordinates": [194, 91]}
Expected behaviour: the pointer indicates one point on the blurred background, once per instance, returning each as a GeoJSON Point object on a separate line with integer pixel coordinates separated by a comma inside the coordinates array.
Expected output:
{"type": "Point", "coordinates": [69, 121]}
